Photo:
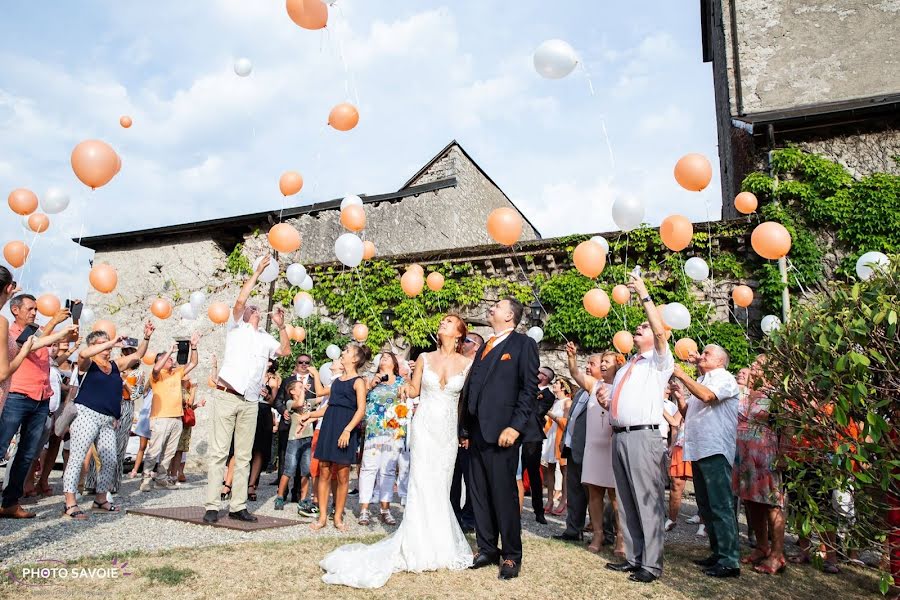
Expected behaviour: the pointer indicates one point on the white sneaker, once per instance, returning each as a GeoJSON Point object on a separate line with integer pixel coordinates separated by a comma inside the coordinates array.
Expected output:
{"type": "Point", "coordinates": [701, 531]}
{"type": "Point", "coordinates": [146, 484]}
{"type": "Point", "coordinates": [670, 524]}
{"type": "Point", "coordinates": [694, 520]}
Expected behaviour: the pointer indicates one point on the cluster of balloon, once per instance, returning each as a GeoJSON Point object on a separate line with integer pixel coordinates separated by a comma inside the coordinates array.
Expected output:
{"type": "Point", "coordinates": [413, 280]}
{"type": "Point", "coordinates": [869, 263]}
{"type": "Point", "coordinates": [769, 324]}
{"type": "Point", "coordinates": [125, 121]}
{"type": "Point", "coordinates": [676, 232]}
{"type": "Point", "coordinates": [103, 278]}
{"type": "Point", "coordinates": [343, 117]}
{"type": "Point", "coordinates": [360, 332]}
{"type": "Point", "coordinates": [55, 201]}
{"type": "Point", "coordinates": [623, 341]}
{"type": "Point", "coordinates": [771, 240]}
{"type": "Point", "coordinates": [15, 253]}
{"type": "Point", "coordinates": [742, 296]}
{"type": "Point", "coordinates": [348, 249]}
{"type": "Point", "coordinates": [696, 268]}
{"type": "Point", "coordinates": [628, 212]}
{"type": "Point", "coordinates": [284, 238]}
{"type": "Point", "coordinates": [22, 201]}
{"type": "Point", "coordinates": [303, 304]}
{"type": "Point", "coordinates": [95, 163]}
{"type": "Point", "coordinates": [589, 258]}
{"type": "Point", "coordinates": [106, 326]}
{"type": "Point", "coordinates": [218, 312]}
{"type": "Point", "coordinates": [290, 183]}
{"type": "Point", "coordinates": [621, 294]}
{"type": "Point", "coordinates": [161, 308]}
{"type": "Point", "coordinates": [435, 281]}
{"type": "Point", "coordinates": [596, 302]}
{"type": "Point", "coordinates": [298, 277]}
{"type": "Point", "coordinates": [48, 304]}
{"type": "Point", "coordinates": [555, 59]}
{"type": "Point", "coordinates": [536, 333]}
{"type": "Point", "coordinates": [270, 273]}
{"type": "Point", "coordinates": [599, 239]}
{"type": "Point", "coordinates": [746, 203]}
{"type": "Point", "coordinates": [368, 250]}
{"type": "Point", "coordinates": [295, 333]}
{"type": "Point", "coordinates": [685, 347]}
{"type": "Point", "coordinates": [693, 172]}
{"type": "Point", "coordinates": [243, 67]}
{"type": "Point", "coordinates": [353, 218]}
{"type": "Point", "coordinates": [504, 225]}
{"type": "Point", "coordinates": [676, 315]}
{"type": "Point", "coordinates": [38, 222]}
{"type": "Point", "coordinates": [308, 14]}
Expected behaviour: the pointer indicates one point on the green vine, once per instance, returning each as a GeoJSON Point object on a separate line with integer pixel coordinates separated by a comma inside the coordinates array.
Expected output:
{"type": "Point", "coordinates": [237, 264]}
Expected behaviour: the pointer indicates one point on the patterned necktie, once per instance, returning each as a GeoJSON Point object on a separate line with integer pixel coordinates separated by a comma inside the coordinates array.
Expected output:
{"type": "Point", "coordinates": [618, 390]}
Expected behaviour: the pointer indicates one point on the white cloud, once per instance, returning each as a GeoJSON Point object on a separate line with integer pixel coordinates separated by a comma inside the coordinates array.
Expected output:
{"type": "Point", "coordinates": [673, 120]}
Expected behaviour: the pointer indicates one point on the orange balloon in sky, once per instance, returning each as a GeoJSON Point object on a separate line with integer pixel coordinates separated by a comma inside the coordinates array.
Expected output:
{"type": "Point", "coordinates": [344, 117]}
{"type": "Point", "coordinates": [103, 278]}
{"type": "Point", "coordinates": [742, 296]}
{"type": "Point", "coordinates": [435, 281]}
{"type": "Point", "coordinates": [23, 202]}
{"type": "Point", "coordinates": [15, 253]}
{"type": "Point", "coordinates": [589, 258]}
{"type": "Point", "coordinates": [746, 203]}
{"type": "Point", "coordinates": [676, 232]}
{"type": "Point", "coordinates": [161, 308]}
{"type": "Point", "coordinates": [771, 240]}
{"type": "Point", "coordinates": [596, 302]}
{"type": "Point", "coordinates": [505, 225]}
{"type": "Point", "coordinates": [290, 183]}
{"type": "Point", "coordinates": [353, 217]}
{"type": "Point", "coordinates": [95, 163]}
{"type": "Point", "coordinates": [284, 238]}
{"type": "Point", "coordinates": [623, 341]}
{"type": "Point", "coordinates": [218, 312]}
{"type": "Point", "coordinates": [105, 326]}
{"type": "Point", "coordinates": [48, 305]}
{"type": "Point", "coordinates": [38, 222]}
{"type": "Point", "coordinates": [360, 332]}
{"type": "Point", "coordinates": [125, 121]}
{"type": "Point", "coordinates": [621, 294]}
{"type": "Point", "coordinates": [693, 172]}
{"type": "Point", "coordinates": [685, 347]}
{"type": "Point", "coordinates": [412, 283]}
{"type": "Point", "coordinates": [368, 250]}
{"type": "Point", "coordinates": [308, 14]}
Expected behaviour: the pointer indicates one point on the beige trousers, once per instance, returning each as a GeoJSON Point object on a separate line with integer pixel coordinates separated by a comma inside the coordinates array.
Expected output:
{"type": "Point", "coordinates": [164, 434]}
{"type": "Point", "coordinates": [230, 417]}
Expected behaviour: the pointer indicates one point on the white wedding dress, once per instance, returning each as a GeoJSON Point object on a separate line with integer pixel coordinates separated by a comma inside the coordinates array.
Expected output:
{"type": "Point", "coordinates": [429, 537]}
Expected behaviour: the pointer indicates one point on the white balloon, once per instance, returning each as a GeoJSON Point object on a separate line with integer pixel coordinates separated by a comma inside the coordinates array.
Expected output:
{"type": "Point", "coordinates": [869, 262]}
{"type": "Point", "coordinates": [296, 273]}
{"type": "Point", "coordinates": [348, 249]}
{"type": "Point", "coordinates": [186, 312]}
{"type": "Point", "coordinates": [599, 239]}
{"type": "Point", "coordinates": [55, 201]}
{"type": "Point", "coordinates": [307, 283]}
{"type": "Point", "coordinates": [628, 212]}
{"type": "Point", "coordinates": [333, 352]}
{"type": "Point", "coordinates": [696, 268]}
{"type": "Point", "coordinates": [676, 315]}
{"type": "Point", "coordinates": [351, 200]}
{"type": "Point", "coordinates": [769, 324]}
{"type": "Point", "coordinates": [554, 59]}
{"type": "Point", "coordinates": [536, 333]}
{"type": "Point", "coordinates": [303, 308]}
{"type": "Point", "coordinates": [87, 315]}
{"type": "Point", "coordinates": [198, 299]}
{"type": "Point", "coordinates": [243, 67]}
{"type": "Point", "coordinates": [270, 273]}
{"type": "Point", "coordinates": [325, 374]}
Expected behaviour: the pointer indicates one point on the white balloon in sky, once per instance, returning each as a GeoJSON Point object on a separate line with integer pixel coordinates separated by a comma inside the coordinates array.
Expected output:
{"type": "Point", "coordinates": [351, 200]}
{"type": "Point", "coordinates": [599, 239]}
{"type": "Point", "coordinates": [628, 212]}
{"type": "Point", "coordinates": [270, 273]}
{"type": "Point", "coordinates": [554, 59]}
{"type": "Point", "coordinates": [55, 201]}
{"type": "Point", "coordinates": [296, 273]}
{"type": "Point", "coordinates": [243, 67]}
{"type": "Point", "coordinates": [869, 262]}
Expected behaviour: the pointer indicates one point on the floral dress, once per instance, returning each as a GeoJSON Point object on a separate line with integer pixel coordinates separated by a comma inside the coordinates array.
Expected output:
{"type": "Point", "coordinates": [755, 478]}
{"type": "Point", "coordinates": [387, 417]}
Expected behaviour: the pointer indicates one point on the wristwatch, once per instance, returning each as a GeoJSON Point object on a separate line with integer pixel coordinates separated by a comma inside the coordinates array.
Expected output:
{"type": "Point", "coordinates": [645, 299]}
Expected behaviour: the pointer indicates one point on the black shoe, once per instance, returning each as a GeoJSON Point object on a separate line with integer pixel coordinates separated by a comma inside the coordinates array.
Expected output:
{"type": "Point", "coordinates": [243, 515]}
{"type": "Point", "coordinates": [623, 567]}
{"type": "Point", "coordinates": [722, 571]}
{"type": "Point", "coordinates": [539, 517]}
{"type": "Point", "coordinates": [211, 516]}
{"type": "Point", "coordinates": [568, 536]}
{"type": "Point", "coordinates": [353, 492]}
{"type": "Point", "coordinates": [642, 576]}
{"type": "Point", "coordinates": [509, 569]}
{"type": "Point", "coordinates": [274, 481]}
{"type": "Point", "coordinates": [483, 560]}
{"type": "Point", "coordinates": [709, 561]}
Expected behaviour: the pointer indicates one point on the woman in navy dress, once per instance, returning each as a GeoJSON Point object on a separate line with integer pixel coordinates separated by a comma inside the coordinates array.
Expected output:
{"type": "Point", "coordinates": [338, 434]}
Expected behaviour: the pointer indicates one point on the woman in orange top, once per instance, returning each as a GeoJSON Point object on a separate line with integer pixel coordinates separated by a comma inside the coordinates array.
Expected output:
{"type": "Point", "coordinates": [557, 418]}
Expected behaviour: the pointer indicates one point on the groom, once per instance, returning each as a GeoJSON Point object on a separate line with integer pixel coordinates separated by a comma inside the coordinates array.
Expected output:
{"type": "Point", "coordinates": [496, 402]}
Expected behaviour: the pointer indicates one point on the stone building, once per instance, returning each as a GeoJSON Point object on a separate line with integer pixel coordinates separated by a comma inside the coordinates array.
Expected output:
{"type": "Point", "coordinates": [818, 74]}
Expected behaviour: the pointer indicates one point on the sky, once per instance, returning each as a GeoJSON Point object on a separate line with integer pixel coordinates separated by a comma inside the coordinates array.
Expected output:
{"type": "Point", "coordinates": [208, 144]}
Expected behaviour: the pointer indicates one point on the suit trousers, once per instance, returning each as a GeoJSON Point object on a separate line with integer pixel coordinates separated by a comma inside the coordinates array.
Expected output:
{"type": "Point", "coordinates": [715, 503]}
{"type": "Point", "coordinates": [638, 458]}
{"type": "Point", "coordinates": [232, 417]}
{"type": "Point", "coordinates": [576, 498]}
{"type": "Point", "coordinates": [495, 497]}
{"type": "Point", "coordinates": [531, 462]}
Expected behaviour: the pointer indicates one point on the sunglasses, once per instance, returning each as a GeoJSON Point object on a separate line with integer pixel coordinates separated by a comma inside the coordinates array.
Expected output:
{"type": "Point", "coordinates": [469, 341]}
{"type": "Point", "coordinates": [302, 362]}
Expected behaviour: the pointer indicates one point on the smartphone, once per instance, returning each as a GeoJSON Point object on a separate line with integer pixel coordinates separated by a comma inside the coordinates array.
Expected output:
{"type": "Point", "coordinates": [130, 342]}
{"type": "Point", "coordinates": [75, 309]}
{"type": "Point", "coordinates": [184, 347]}
{"type": "Point", "coordinates": [29, 331]}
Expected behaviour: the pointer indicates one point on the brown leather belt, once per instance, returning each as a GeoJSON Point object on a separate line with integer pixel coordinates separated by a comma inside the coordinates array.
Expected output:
{"type": "Point", "coordinates": [228, 390]}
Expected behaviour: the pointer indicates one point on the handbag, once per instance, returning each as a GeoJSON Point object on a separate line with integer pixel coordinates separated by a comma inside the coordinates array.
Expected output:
{"type": "Point", "coordinates": [189, 419]}
{"type": "Point", "coordinates": [69, 410]}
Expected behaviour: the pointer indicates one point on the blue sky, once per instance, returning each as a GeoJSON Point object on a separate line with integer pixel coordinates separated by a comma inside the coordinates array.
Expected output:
{"type": "Point", "coordinates": [206, 143]}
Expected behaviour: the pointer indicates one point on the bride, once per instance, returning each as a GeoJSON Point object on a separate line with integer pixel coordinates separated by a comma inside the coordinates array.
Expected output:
{"type": "Point", "coordinates": [428, 538]}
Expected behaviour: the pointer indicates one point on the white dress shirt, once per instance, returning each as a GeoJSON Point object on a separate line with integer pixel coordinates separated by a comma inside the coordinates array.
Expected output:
{"type": "Point", "coordinates": [711, 429]}
{"type": "Point", "coordinates": [670, 409]}
{"type": "Point", "coordinates": [247, 354]}
{"type": "Point", "coordinates": [641, 400]}
{"type": "Point", "coordinates": [498, 337]}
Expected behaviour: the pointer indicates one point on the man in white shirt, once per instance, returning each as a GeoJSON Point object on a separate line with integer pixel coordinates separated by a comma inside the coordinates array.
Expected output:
{"type": "Point", "coordinates": [639, 453]}
{"type": "Point", "coordinates": [238, 390]}
{"type": "Point", "coordinates": [710, 413]}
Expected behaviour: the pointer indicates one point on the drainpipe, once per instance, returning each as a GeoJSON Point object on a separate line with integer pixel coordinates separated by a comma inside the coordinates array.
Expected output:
{"type": "Point", "coordinates": [782, 262]}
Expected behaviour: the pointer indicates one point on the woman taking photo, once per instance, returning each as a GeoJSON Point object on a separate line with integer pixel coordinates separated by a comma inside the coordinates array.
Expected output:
{"type": "Point", "coordinates": [557, 416]}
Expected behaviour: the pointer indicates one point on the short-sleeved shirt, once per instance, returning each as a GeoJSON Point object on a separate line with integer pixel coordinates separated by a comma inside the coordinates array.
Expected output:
{"type": "Point", "coordinates": [32, 378]}
{"type": "Point", "coordinates": [711, 428]}
{"type": "Point", "coordinates": [297, 411]}
{"type": "Point", "coordinates": [641, 398]}
{"type": "Point", "coordinates": [167, 401]}
{"type": "Point", "coordinates": [247, 354]}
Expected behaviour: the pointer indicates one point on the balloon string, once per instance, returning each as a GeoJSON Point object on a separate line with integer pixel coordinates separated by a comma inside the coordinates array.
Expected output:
{"type": "Point", "coordinates": [612, 158]}
{"type": "Point", "coordinates": [533, 291]}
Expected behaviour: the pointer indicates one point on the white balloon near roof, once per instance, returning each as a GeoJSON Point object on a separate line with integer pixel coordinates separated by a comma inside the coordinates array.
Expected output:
{"type": "Point", "coordinates": [351, 200]}
{"type": "Point", "coordinates": [599, 239]}
{"type": "Point", "coordinates": [348, 249]}
{"type": "Point", "coordinates": [769, 324]}
{"type": "Point", "coordinates": [270, 273]}
{"type": "Point", "coordinates": [696, 268]}
{"type": "Point", "coordinates": [628, 212]}
{"type": "Point", "coordinates": [554, 59]}
{"type": "Point", "coordinates": [55, 201]}
{"type": "Point", "coordinates": [243, 67]}
{"type": "Point", "coordinates": [676, 315]}
{"type": "Point", "coordinates": [296, 273]}
{"type": "Point", "coordinates": [870, 262]}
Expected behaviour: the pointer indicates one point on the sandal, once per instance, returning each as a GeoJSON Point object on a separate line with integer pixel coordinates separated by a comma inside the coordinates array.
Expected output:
{"type": "Point", "coordinates": [226, 495]}
{"type": "Point", "coordinates": [770, 569]}
{"type": "Point", "coordinates": [105, 507]}
{"type": "Point", "coordinates": [364, 517]}
{"type": "Point", "coordinates": [77, 514]}
{"type": "Point", "coordinates": [560, 510]}
{"type": "Point", "coordinates": [755, 557]}
{"type": "Point", "coordinates": [387, 518]}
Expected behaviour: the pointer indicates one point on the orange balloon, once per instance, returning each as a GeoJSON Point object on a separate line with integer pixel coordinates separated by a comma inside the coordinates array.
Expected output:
{"type": "Point", "coordinates": [662, 316]}
{"type": "Point", "coordinates": [161, 308]}
{"type": "Point", "coordinates": [118, 164]}
{"type": "Point", "coordinates": [308, 14]}
{"type": "Point", "coordinates": [104, 278]}
{"type": "Point", "coordinates": [125, 121]}
{"type": "Point", "coordinates": [368, 250]}
{"type": "Point", "coordinates": [676, 232]}
{"type": "Point", "coordinates": [23, 202]}
{"type": "Point", "coordinates": [435, 281]}
{"type": "Point", "coordinates": [505, 226]}
{"type": "Point", "coordinates": [353, 217]}
{"type": "Point", "coordinates": [149, 358]}
{"type": "Point", "coordinates": [48, 305]}
{"type": "Point", "coordinates": [290, 183]}
{"type": "Point", "coordinates": [621, 294]}
{"type": "Point", "coordinates": [412, 283]}
{"type": "Point", "coordinates": [693, 172]}
{"type": "Point", "coordinates": [360, 332]}
{"type": "Point", "coordinates": [218, 312]}
{"type": "Point", "coordinates": [416, 267]}
{"type": "Point", "coordinates": [746, 203]}
{"type": "Point", "coordinates": [623, 342]}
{"type": "Point", "coordinates": [15, 253]}
{"type": "Point", "coordinates": [742, 296]}
{"type": "Point", "coordinates": [596, 302]}
{"type": "Point", "coordinates": [589, 258]}
{"type": "Point", "coordinates": [289, 331]}
{"type": "Point", "coordinates": [685, 347]}
{"type": "Point", "coordinates": [38, 222]}
{"type": "Point", "coordinates": [284, 238]}
{"type": "Point", "coordinates": [344, 117]}
{"type": "Point", "coordinates": [771, 240]}
{"type": "Point", "coordinates": [105, 326]}
{"type": "Point", "coordinates": [299, 334]}
{"type": "Point", "coordinates": [95, 163]}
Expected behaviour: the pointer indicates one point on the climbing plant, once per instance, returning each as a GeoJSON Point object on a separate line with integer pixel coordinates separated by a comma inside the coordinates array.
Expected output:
{"type": "Point", "coordinates": [319, 334]}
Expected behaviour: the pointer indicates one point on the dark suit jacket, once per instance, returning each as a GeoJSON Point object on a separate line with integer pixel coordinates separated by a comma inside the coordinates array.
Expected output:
{"type": "Point", "coordinates": [534, 429]}
{"type": "Point", "coordinates": [501, 389]}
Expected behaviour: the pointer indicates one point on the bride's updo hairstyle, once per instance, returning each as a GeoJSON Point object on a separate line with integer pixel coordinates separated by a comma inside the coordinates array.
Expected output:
{"type": "Point", "coordinates": [362, 354]}
{"type": "Point", "coordinates": [461, 329]}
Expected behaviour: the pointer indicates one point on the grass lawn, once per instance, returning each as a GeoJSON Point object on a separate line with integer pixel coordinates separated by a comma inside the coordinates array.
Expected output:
{"type": "Point", "coordinates": [551, 569]}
